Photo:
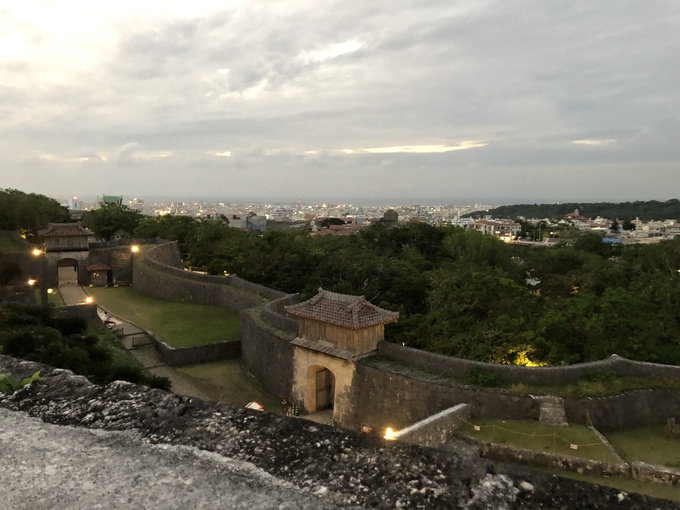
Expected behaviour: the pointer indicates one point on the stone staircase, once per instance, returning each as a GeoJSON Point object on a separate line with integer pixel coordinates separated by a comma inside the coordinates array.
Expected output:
{"type": "Point", "coordinates": [552, 411]}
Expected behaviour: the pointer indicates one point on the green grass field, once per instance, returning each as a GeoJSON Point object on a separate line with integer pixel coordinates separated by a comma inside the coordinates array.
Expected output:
{"type": "Point", "coordinates": [647, 444]}
{"type": "Point", "coordinates": [534, 436]}
{"type": "Point", "coordinates": [227, 381]}
{"type": "Point", "coordinates": [179, 324]}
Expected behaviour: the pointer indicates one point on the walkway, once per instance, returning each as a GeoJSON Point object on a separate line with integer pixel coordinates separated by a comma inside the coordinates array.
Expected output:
{"type": "Point", "coordinates": [138, 344]}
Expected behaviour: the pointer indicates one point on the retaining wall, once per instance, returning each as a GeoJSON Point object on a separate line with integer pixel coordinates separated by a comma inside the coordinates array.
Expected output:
{"type": "Point", "coordinates": [389, 399]}
{"type": "Point", "coordinates": [655, 474]}
{"type": "Point", "coordinates": [521, 456]}
{"type": "Point", "coordinates": [179, 357]}
{"type": "Point", "coordinates": [631, 409]}
{"type": "Point", "coordinates": [85, 310]}
{"type": "Point", "coordinates": [458, 367]}
{"type": "Point", "coordinates": [436, 430]}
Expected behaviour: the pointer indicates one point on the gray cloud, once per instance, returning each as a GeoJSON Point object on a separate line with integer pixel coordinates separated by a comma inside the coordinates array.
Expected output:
{"type": "Point", "coordinates": [275, 87]}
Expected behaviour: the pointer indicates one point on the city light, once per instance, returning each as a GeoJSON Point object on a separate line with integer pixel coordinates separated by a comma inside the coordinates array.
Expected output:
{"type": "Point", "coordinates": [37, 252]}
{"type": "Point", "coordinates": [31, 282]}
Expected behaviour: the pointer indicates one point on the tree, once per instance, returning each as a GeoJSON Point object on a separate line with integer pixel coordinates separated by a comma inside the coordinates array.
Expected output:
{"type": "Point", "coordinates": [29, 213]}
{"type": "Point", "coordinates": [110, 219]}
{"type": "Point", "coordinates": [327, 222]}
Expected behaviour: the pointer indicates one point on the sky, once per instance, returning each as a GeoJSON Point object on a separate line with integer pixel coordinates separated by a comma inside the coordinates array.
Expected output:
{"type": "Point", "coordinates": [439, 99]}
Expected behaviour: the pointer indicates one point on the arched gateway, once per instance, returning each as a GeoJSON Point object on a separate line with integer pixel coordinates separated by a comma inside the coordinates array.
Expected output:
{"type": "Point", "coordinates": [335, 330]}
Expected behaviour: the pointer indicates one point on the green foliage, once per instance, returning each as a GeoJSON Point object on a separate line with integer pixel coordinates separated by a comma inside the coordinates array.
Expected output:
{"type": "Point", "coordinates": [29, 212]}
{"type": "Point", "coordinates": [9, 384]}
{"type": "Point", "coordinates": [175, 228]}
{"type": "Point", "coordinates": [111, 218]}
{"type": "Point", "coordinates": [480, 376]}
{"type": "Point", "coordinates": [645, 210]}
{"type": "Point", "coordinates": [34, 333]}
{"type": "Point", "coordinates": [159, 382]}
{"type": "Point", "coordinates": [463, 294]}
{"type": "Point", "coordinates": [327, 222]}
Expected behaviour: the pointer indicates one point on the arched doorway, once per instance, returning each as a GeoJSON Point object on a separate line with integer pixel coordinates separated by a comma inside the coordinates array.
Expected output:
{"type": "Point", "coordinates": [68, 271]}
{"type": "Point", "coordinates": [320, 392]}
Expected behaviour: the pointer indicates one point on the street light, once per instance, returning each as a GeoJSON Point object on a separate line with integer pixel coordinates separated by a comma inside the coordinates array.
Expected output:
{"type": "Point", "coordinates": [37, 252]}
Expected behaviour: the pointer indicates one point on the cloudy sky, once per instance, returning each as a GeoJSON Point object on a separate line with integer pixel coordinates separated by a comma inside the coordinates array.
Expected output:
{"type": "Point", "coordinates": [404, 99]}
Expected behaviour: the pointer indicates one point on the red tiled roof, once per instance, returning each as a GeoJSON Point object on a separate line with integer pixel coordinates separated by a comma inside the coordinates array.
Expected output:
{"type": "Point", "coordinates": [65, 229]}
{"type": "Point", "coordinates": [98, 266]}
{"type": "Point", "coordinates": [342, 310]}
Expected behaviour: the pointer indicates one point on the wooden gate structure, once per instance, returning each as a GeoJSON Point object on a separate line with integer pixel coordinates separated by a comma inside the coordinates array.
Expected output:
{"type": "Point", "coordinates": [335, 330]}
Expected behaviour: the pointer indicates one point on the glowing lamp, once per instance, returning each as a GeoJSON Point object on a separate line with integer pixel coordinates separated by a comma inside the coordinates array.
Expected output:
{"type": "Point", "coordinates": [89, 299]}
{"type": "Point", "coordinates": [389, 434]}
{"type": "Point", "coordinates": [134, 248]}
{"type": "Point", "coordinates": [31, 282]}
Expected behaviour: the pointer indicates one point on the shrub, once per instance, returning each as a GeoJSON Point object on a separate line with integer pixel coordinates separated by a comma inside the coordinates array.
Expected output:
{"type": "Point", "coordinates": [160, 382]}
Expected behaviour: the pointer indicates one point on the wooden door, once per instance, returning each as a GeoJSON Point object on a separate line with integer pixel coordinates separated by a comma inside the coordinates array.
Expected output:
{"type": "Point", "coordinates": [324, 389]}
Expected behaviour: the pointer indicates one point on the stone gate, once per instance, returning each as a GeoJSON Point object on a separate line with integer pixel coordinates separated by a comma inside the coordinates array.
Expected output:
{"type": "Point", "coordinates": [335, 330]}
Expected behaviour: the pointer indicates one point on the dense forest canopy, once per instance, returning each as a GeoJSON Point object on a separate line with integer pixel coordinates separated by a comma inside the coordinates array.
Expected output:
{"type": "Point", "coordinates": [458, 292]}
{"type": "Point", "coordinates": [646, 211]}
{"type": "Point", "coordinates": [464, 294]}
{"type": "Point", "coordinates": [29, 212]}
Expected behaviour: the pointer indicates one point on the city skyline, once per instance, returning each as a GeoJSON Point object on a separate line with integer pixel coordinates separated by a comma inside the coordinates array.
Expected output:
{"type": "Point", "coordinates": [500, 103]}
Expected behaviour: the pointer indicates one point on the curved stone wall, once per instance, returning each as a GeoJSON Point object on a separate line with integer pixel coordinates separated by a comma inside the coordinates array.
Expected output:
{"type": "Point", "coordinates": [384, 398]}
{"type": "Point", "coordinates": [155, 274]}
{"type": "Point", "coordinates": [458, 367]}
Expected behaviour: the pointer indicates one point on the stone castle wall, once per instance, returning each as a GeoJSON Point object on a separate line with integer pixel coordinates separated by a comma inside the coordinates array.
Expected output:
{"type": "Point", "coordinates": [155, 275]}
{"type": "Point", "coordinates": [389, 399]}
{"type": "Point", "coordinates": [385, 398]}
{"type": "Point", "coordinates": [267, 352]}
{"type": "Point", "coordinates": [458, 367]}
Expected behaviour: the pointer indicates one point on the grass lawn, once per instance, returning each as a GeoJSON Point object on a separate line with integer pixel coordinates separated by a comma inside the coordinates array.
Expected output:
{"type": "Point", "coordinates": [647, 444]}
{"type": "Point", "coordinates": [179, 324]}
{"type": "Point", "coordinates": [227, 381]}
{"type": "Point", "coordinates": [534, 436]}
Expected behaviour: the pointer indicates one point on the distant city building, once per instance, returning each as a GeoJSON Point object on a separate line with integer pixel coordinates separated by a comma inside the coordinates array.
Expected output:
{"type": "Point", "coordinates": [506, 230]}
{"type": "Point", "coordinates": [110, 199]}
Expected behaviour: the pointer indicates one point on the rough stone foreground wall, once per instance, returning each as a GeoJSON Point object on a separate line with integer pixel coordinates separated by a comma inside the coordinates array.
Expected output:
{"type": "Point", "coordinates": [388, 399]}
{"type": "Point", "coordinates": [458, 367]}
{"type": "Point", "coordinates": [154, 275]}
{"type": "Point", "coordinates": [349, 469]}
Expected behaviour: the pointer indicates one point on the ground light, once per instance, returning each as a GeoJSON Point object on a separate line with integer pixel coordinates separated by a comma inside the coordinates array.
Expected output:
{"type": "Point", "coordinates": [134, 248]}
{"type": "Point", "coordinates": [389, 434]}
{"type": "Point", "coordinates": [89, 299]}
